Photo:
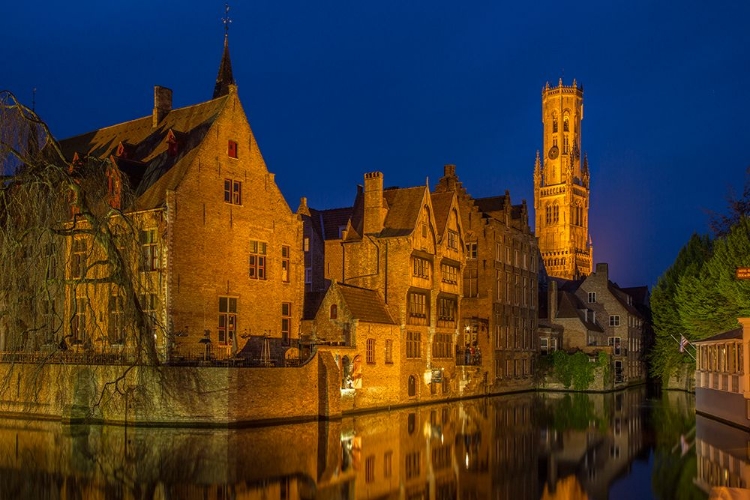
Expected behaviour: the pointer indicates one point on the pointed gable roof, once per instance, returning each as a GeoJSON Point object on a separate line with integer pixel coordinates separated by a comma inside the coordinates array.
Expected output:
{"type": "Point", "coordinates": [404, 205]}
{"type": "Point", "coordinates": [441, 206]}
{"type": "Point", "coordinates": [364, 304]}
{"type": "Point", "coordinates": [225, 78]}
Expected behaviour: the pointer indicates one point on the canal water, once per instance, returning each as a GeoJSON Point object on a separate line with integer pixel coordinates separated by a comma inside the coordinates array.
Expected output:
{"type": "Point", "coordinates": [628, 444]}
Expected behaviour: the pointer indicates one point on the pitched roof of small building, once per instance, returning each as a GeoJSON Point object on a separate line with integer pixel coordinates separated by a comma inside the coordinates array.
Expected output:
{"type": "Point", "coordinates": [365, 305]}
{"type": "Point", "coordinates": [729, 335]}
{"type": "Point", "coordinates": [441, 206]}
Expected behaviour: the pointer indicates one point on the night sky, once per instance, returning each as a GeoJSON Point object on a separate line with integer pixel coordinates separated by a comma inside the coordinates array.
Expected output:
{"type": "Point", "coordinates": [334, 89]}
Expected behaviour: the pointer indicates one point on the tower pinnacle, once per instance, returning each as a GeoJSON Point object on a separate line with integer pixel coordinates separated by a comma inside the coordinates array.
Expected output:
{"type": "Point", "coordinates": [224, 79]}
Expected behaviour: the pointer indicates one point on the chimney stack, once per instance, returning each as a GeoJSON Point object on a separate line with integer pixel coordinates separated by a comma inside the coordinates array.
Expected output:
{"type": "Point", "coordinates": [374, 210]}
{"type": "Point", "coordinates": [602, 270]}
{"type": "Point", "coordinates": [162, 104]}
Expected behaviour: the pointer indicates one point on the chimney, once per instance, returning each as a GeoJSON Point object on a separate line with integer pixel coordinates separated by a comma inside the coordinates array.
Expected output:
{"type": "Point", "coordinates": [449, 171]}
{"type": "Point", "coordinates": [602, 270]}
{"type": "Point", "coordinates": [552, 300]}
{"type": "Point", "coordinates": [162, 104]}
{"type": "Point", "coordinates": [374, 211]}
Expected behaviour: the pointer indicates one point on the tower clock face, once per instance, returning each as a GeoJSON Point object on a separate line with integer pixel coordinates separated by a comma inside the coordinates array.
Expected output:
{"type": "Point", "coordinates": [553, 152]}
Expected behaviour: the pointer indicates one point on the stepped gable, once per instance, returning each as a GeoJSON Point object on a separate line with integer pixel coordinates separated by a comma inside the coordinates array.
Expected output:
{"type": "Point", "coordinates": [150, 161]}
{"type": "Point", "coordinates": [404, 205]}
{"type": "Point", "coordinates": [365, 305]}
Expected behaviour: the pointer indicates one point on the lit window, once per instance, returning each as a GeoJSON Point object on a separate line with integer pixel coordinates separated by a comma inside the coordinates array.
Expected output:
{"type": "Point", "coordinates": [449, 273]}
{"type": "Point", "coordinates": [417, 309]}
{"type": "Point", "coordinates": [257, 260]}
{"type": "Point", "coordinates": [233, 191]}
{"type": "Point", "coordinates": [227, 320]}
{"type": "Point", "coordinates": [285, 263]}
{"type": "Point", "coordinates": [232, 149]}
{"type": "Point", "coordinates": [306, 244]}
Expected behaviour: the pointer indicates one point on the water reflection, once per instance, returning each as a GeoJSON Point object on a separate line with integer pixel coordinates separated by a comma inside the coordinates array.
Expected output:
{"type": "Point", "coordinates": [551, 445]}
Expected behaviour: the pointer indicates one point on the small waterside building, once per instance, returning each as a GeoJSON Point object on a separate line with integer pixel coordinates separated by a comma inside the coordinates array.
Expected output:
{"type": "Point", "coordinates": [722, 389]}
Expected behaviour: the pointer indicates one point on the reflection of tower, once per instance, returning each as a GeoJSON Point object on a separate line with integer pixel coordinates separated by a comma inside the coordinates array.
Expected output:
{"type": "Point", "coordinates": [561, 185]}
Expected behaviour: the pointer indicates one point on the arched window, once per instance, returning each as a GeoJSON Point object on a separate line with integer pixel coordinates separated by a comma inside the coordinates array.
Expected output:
{"type": "Point", "coordinates": [412, 385]}
{"type": "Point", "coordinates": [554, 123]}
{"type": "Point", "coordinates": [334, 311]}
{"type": "Point", "coordinates": [548, 214]}
{"type": "Point", "coordinates": [555, 213]}
{"type": "Point", "coordinates": [566, 124]}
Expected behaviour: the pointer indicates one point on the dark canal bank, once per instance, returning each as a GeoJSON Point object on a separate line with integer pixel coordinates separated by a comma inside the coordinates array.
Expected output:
{"type": "Point", "coordinates": [628, 444]}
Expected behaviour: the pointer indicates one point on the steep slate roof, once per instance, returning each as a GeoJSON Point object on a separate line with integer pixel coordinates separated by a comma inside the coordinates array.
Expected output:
{"type": "Point", "coordinates": [570, 306]}
{"type": "Point", "coordinates": [441, 205]}
{"type": "Point", "coordinates": [365, 305]}
{"type": "Point", "coordinates": [327, 222]}
{"type": "Point", "coordinates": [148, 147]}
{"type": "Point", "coordinates": [730, 335]}
{"type": "Point", "coordinates": [404, 205]}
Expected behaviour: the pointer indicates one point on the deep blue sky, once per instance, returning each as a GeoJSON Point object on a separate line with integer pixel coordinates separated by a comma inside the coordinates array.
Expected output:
{"type": "Point", "coordinates": [334, 89]}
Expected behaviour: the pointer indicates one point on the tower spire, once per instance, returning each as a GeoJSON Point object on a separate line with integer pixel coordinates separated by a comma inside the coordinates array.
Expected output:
{"type": "Point", "coordinates": [224, 79]}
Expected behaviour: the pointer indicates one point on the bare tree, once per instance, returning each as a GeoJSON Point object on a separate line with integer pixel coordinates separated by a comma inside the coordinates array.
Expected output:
{"type": "Point", "coordinates": [71, 251]}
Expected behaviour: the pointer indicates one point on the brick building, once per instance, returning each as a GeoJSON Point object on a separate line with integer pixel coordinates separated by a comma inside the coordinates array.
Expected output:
{"type": "Point", "coordinates": [221, 249]}
{"type": "Point", "coordinates": [407, 245]}
{"type": "Point", "coordinates": [499, 304]}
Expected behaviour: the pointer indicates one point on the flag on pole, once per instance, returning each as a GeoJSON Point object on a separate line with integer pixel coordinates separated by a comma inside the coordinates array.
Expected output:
{"type": "Point", "coordinates": [683, 343]}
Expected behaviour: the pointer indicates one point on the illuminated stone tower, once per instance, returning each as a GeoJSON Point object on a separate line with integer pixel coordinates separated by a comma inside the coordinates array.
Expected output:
{"type": "Point", "coordinates": [561, 185]}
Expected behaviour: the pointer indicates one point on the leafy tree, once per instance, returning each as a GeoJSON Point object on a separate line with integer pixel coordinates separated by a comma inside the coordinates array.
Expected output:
{"type": "Point", "coordinates": [668, 324]}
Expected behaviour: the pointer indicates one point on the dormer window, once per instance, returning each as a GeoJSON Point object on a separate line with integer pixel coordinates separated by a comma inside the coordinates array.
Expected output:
{"type": "Point", "coordinates": [232, 149]}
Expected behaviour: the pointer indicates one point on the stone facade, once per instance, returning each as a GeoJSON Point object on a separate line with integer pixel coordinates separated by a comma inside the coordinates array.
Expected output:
{"type": "Point", "coordinates": [561, 186]}
{"type": "Point", "coordinates": [499, 304]}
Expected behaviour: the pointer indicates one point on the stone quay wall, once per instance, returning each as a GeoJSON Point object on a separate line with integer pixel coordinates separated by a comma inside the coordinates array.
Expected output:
{"type": "Point", "coordinates": [169, 395]}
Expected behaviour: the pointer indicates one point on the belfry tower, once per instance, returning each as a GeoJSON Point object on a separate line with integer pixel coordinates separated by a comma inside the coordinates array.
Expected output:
{"type": "Point", "coordinates": [561, 186]}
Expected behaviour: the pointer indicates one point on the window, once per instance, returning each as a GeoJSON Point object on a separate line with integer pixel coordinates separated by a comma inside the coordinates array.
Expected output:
{"type": "Point", "coordinates": [413, 465]}
{"type": "Point", "coordinates": [286, 322]}
{"type": "Point", "coordinates": [233, 191]}
{"type": "Point", "coordinates": [499, 252]}
{"type": "Point", "coordinates": [306, 244]}
{"type": "Point", "coordinates": [232, 149]}
{"type": "Point", "coordinates": [471, 250]}
{"type": "Point", "coordinates": [471, 282]}
{"type": "Point", "coordinates": [285, 263]}
{"type": "Point", "coordinates": [227, 320]}
{"type": "Point", "coordinates": [417, 309]}
{"type": "Point", "coordinates": [446, 311]}
{"type": "Point", "coordinates": [308, 275]}
{"type": "Point", "coordinates": [257, 261]}
{"type": "Point", "coordinates": [442, 345]}
{"type": "Point", "coordinates": [554, 124]}
{"type": "Point", "coordinates": [449, 273]}
{"type": "Point", "coordinates": [78, 264]}
{"type": "Point", "coordinates": [412, 389]}
{"type": "Point", "coordinates": [592, 297]}
{"type": "Point", "coordinates": [614, 320]}
{"type": "Point", "coordinates": [421, 268]}
{"type": "Point", "coordinates": [148, 304]}
{"type": "Point", "coordinates": [116, 326]}
{"type": "Point", "coordinates": [149, 250]}
{"type": "Point", "coordinates": [413, 345]}
{"type": "Point", "coordinates": [370, 469]}
{"type": "Point", "coordinates": [78, 323]}
{"type": "Point", "coordinates": [388, 464]}
{"type": "Point", "coordinates": [334, 314]}
{"type": "Point", "coordinates": [370, 351]}
{"type": "Point", "coordinates": [452, 240]}
{"type": "Point", "coordinates": [614, 342]}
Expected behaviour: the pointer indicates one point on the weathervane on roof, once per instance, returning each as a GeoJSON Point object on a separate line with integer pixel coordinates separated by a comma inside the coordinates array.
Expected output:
{"type": "Point", "coordinates": [226, 20]}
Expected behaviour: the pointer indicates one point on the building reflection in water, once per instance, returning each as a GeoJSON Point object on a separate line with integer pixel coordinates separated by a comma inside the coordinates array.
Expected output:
{"type": "Point", "coordinates": [552, 445]}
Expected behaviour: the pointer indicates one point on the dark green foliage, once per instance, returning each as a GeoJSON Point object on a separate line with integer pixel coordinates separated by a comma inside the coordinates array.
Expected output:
{"type": "Point", "coordinates": [576, 371]}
